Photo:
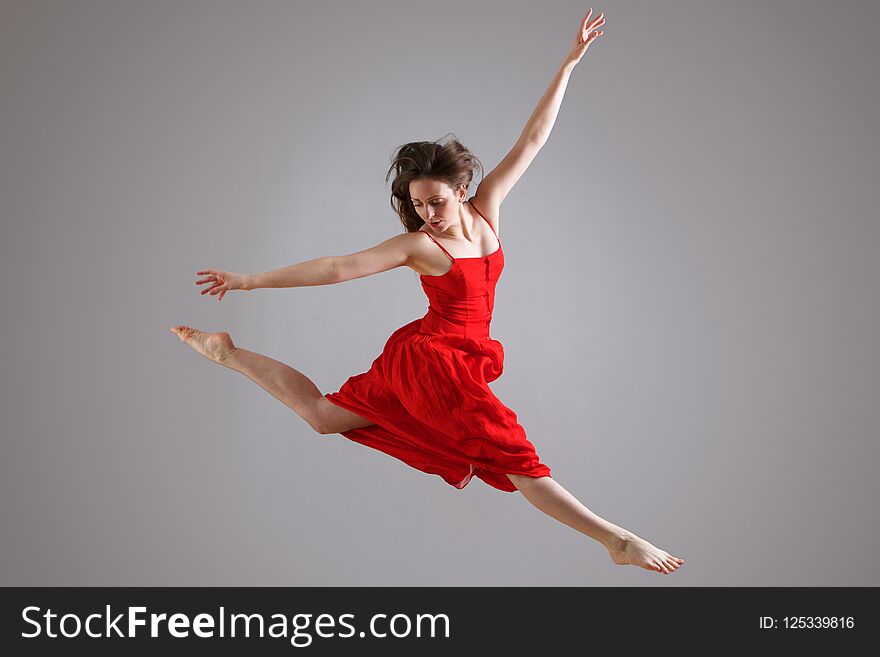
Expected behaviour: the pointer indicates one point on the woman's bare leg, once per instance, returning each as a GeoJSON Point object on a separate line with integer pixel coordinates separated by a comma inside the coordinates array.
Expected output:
{"type": "Point", "coordinates": [624, 547]}
{"type": "Point", "coordinates": [291, 387]}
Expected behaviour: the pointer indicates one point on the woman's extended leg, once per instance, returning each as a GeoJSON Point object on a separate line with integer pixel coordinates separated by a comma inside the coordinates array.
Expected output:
{"type": "Point", "coordinates": [624, 547]}
{"type": "Point", "coordinates": [289, 386]}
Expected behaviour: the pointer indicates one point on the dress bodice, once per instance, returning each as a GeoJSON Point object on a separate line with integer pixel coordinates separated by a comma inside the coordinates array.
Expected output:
{"type": "Point", "coordinates": [462, 300]}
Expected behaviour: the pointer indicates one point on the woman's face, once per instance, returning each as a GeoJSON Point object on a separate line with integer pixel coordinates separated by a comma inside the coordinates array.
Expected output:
{"type": "Point", "coordinates": [435, 202]}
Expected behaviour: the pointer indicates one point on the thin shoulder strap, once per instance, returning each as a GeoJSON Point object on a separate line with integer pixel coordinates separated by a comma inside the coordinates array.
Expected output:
{"type": "Point", "coordinates": [470, 200]}
{"type": "Point", "coordinates": [438, 244]}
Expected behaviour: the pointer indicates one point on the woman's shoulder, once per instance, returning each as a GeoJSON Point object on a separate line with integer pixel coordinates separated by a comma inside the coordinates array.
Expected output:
{"type": "Point", "coordinates": [424, 256]}
{"type": "Point", "coordinates": [489, 209]}
{"type": "Point", "coordinates": [417, 243]}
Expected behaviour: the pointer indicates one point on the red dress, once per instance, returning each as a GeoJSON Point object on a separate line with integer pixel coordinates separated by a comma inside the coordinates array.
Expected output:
{"type": "Point", "coordinates": [428, 392]}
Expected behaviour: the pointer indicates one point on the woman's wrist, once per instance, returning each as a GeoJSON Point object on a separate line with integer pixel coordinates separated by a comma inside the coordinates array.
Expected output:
{"type": "Point", "coordinates": [250, 282]}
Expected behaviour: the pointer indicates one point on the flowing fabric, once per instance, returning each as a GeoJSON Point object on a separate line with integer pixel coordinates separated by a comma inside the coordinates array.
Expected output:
{"type": "Point", "coordinates": [428, 392]}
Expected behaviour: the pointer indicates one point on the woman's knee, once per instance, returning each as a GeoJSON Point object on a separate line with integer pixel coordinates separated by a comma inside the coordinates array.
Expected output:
{"type": "Point", "coordinates": [330, 418]}
{"type": "Point", "coordinates": [520, 480]}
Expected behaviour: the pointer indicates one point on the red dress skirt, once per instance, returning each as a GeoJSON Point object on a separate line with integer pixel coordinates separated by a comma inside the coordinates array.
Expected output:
{"type": "Point", "coordinates": [428, 392]}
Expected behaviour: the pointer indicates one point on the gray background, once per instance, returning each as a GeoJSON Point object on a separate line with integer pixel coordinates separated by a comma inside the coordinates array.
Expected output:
{"type": "Point", "coordinates": [689, 307]}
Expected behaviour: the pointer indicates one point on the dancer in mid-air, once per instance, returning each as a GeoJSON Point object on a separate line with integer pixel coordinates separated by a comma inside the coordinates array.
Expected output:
{"type": "Point", "coordinates": [425, 399]}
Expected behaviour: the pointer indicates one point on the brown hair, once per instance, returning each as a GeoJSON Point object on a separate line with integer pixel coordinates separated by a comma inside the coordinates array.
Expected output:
{"type": "Point", "coordinates": [451, 163]}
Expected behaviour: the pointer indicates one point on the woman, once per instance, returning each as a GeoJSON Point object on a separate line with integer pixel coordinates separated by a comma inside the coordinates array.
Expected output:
{"type": "Point", "coordinates": [425, 400]}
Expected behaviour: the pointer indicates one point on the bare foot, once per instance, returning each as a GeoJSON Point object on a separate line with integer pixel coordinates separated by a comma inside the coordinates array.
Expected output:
{"type": "Point", "coordinates": [214, 346]}
{"type": "Point", "coordinates": [630, 550]}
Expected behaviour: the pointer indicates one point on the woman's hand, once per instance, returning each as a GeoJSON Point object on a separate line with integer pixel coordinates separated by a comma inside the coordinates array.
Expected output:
{"type": "Point", "coordinates": [221, 281]}
{"type": "Point", "coordinates": [586, 34]}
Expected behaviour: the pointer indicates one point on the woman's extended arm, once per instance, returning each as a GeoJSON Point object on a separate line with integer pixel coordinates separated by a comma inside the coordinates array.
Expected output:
{"type": "Point", "coordinates": [318, 271]}
{"type": "Point", "coordinates": [393, 252]}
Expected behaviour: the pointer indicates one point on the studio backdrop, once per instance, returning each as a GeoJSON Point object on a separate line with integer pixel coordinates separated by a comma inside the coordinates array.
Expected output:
{"type": "Point", "coordinates": [689, 305]}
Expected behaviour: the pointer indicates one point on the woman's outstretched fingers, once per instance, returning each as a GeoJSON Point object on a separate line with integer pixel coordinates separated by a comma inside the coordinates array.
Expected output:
{"type": "Point", "coordinates": [588, 32]}
{"type": "Point", "coordinates": [204, 280]}
{"type": "Point", "coordinates": [215, 278]}
{"type": "Point", "coordinates": [221, 282]}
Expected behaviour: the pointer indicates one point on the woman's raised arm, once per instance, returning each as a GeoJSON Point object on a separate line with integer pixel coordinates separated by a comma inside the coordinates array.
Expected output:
{"type": "Point", "coordinates": [495, 186]}
{"type": "Point", "coordinates": [542, 119]}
